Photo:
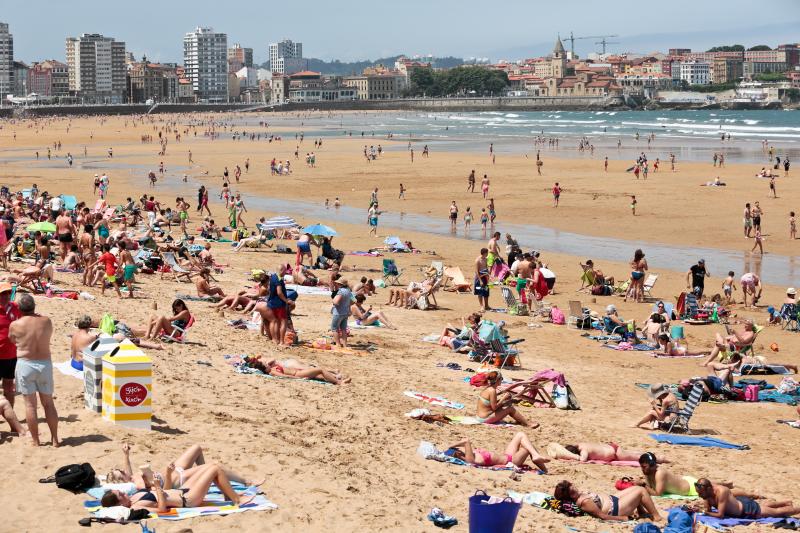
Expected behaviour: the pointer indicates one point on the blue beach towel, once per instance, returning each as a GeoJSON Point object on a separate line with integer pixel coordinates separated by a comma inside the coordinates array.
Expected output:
{"type": "Point", "coordinates": [704, 442]}
{"type": "Point", "coordinates": [719, 523]}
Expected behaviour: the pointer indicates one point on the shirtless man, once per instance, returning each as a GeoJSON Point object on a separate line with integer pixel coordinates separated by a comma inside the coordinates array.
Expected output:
{"type": "Point", "coordinates": [31, 333]}
{"type": "Point", "coordinates": [494, 249]}
{"type": "Point", "coordinates": [65, 232]}
{"type": "Point", "coordinates": [660, 481]}
{"type": "Point", "coordinates": [128, 266]}
{"type": "Point", "coordinates": [728, 505]}
{"type": "Point", "coordinates": [524, 276]}
{"type": "Point", "coordinates": [82, 338]}
{"type": "Point", "coordinates": [481, 284]}
{"type": "Point", "coordinates": [594, 451]}
{"type": "Point", "coordinates": [204, 288]}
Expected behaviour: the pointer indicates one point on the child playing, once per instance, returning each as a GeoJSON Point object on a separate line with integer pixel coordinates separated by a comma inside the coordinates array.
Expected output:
{"type": "Point", "coordinates": [556, 194]}
{"type": "Point", "coordinates": [728, 286]}
{"type": "Point", "coordinates": [758, 242]}
{"type": "Point", "coordinates": [484, 219]}
{"type": "Point", "coordinates": [792, 226]}
{"type": "Point", "coordinates": [467, 218]}
{"type": "Point", "coordinates": [633, 204]}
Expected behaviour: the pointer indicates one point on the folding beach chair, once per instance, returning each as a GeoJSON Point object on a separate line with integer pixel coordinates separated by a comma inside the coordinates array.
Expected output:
{"type": "Point", "coordinates": [179, 273]}
{"type": "Point", "coordinates": [788, 315]}
{"type": "Point", "coordinates": [622, 287]}
{"type": "Point", "coordinates": [575, 314]}
{"type": "Point", "coordinates": [459, 282]}
{"type": "Point", "coordinates": [514, 307]}
{"type": "Point", "coordinates": [539, 307]}
{"type": "Point", "coordinates": [681, 419]}
{"type": "Point", "coordinates": [649, 282]}
{"type": "Point", "coordinates": [503, 348]}
{"type": "Point", "coordinates": [587, 278]}
{"type": "Point", "coordinates": [437, 267]}
{"type": "Point", "coordinates": [427, 299]}
{"type": "Point", "coordinates": [530, 390]}
{"type": "Point", "coordinates": [391, 274]}
{"type": "Point", "coordinates": [178, 335]}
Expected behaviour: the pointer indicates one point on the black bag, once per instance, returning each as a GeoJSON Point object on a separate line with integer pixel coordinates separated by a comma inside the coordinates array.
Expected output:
{"type": "Point", "coordinates": [584, 322]}
{"type": "Point", "coordinates": [75, 478]}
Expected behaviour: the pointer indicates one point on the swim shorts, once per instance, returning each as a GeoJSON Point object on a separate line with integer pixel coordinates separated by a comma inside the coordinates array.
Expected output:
{"type": "Point", "coordinates": [480, 289]}
{"type": "Point", "coordinates": [750, 508]}
{"type": "Point", "coordinates": [34, 376]}
{"type": "Point", "coordinates": [128, 272]}
{"type": "Point", "coordinates": [339, 323]}
{"type": "Point", "coordinates": [65, 237]}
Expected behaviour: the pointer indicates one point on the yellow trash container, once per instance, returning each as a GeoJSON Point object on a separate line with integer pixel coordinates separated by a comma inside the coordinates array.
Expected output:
{"type": "Point", "coordinates": [127, 386]}
{"type": "Point", "coordinates": [93, 371]}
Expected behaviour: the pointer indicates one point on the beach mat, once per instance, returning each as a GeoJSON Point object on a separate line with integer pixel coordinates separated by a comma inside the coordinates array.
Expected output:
{"type": "Point", "coordinates": [433, 400]}
{"type": "Point", "coordinates": [721, 523]}
{"type": "Point", "coordinates": [66, 368]}
{"type": "Point", "coordinates": [704, 442]}
{"type": "Point", "coordinates": [310, 291]}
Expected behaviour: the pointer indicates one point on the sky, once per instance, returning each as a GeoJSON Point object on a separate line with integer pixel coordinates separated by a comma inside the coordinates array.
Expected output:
{"type": "Point", "coordinates": [359, 29]}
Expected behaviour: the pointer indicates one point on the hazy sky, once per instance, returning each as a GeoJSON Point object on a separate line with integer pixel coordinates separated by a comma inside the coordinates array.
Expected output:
{"type": "Point", "coordinates": [359, 29]}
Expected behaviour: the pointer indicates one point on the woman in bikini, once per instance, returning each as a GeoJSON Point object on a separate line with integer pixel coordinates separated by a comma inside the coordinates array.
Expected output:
{"type": "Point", "coordinates": [368, 317]}
{"type": "Point", "coordinates": [161, 498]}
{"type": "Point", "coordinates": [518, 451]}
{"type": "Point", "coordinates": [638, 268]}
{"type": "Point", "coordinates": [180, 319]}
{"type": "Point", "coordinates": [633, 502]}
{"type": "Point", "coordinates": [292, 368]}
{"type": "Point", "coordinates": [491, 410]}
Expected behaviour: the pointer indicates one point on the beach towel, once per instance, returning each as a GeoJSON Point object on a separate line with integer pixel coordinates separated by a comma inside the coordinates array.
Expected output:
{"type": "Point", "coordinates": [311, 291]}
{"type": "Point", "coordinates": [365, 254]}
{"type": "Point", "coordinates": [474, 421]}
{"type": "Point", "coordinates": [546, 501]}
{"type": "Point", "coordinates": [792, 423]}
{"type": "Point", "coordinates": [721, 523]}
{"type": "Point", "coordinates": [626, 346]}
{"type": "Point", "coordinates": [434, 400]}
{"type": "Point", "coordinates": [66, 368]}
{"type": "Point", "coordinates": [704, 442]}
{"type": "Point", "coordinates": [214, 504]}
{"type": "Point", "coordinates": [616, 338]}
{"type": "Point", "coordinates": [775, 396]}
{"type": "Point", "coordinates": [193, 298]}
{"type": "Point", "coordinates": [661, 355]}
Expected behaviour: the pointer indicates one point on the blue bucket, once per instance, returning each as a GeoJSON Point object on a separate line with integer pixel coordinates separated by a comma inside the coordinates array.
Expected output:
{"type": "Point", "coordinates": [676, 332]}
{"type": "Point", "coordinates": [494, 518]}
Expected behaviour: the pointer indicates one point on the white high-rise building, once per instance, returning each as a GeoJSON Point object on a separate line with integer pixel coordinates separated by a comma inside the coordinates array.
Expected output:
{"type": "Point", "coordinates": [6, 62]}
{"type": "Point", "coordinates": [205, 59]}
{"type": "Point", "coordinates": [286, 57]}
{"type": "Point", "coordinates": [97, 68]}
{"type": "Point", "coordinates": [695, 72]}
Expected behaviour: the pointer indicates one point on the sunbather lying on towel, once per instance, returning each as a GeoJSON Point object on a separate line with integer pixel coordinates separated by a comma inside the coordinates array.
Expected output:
{"type": "Point", "coordinates": [663, 406]}
{"type": "Point", "coordinates": [292, 368]}
{"type": "Point", "coordinates": [633, 502]}
{"type": "Point", "coordinates": [191, 495]}
{"type": "Point", "coordinates": [517, 452]}
{"type": "Point", "coordinates": [204, 287]}
{"type": "Point", "coordinates": [490, 409]}
{"type": "Point", "coordinates": [593, 451]}
{"type": "Point", "coordinates": [187, 466]}
{"type": "Point", "coordinates": [674, 349]}
{"type": "Point", "coordinates": [659, 480]}
{"type": "Point", "coordinates": [728, 505]}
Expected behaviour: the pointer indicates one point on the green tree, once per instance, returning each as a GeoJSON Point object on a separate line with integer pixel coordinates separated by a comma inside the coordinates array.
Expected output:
{"type": "Point", "coordinates": [731, 48]}
{"type": "Point", "coordinates": [759, 48]}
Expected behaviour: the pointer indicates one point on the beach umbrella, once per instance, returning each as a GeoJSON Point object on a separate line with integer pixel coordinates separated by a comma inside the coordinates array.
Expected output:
{"type": "Point", "coordinates": [320, 230]}
{"type": "Point", "coordinates": [44, 227]}
{"type": "Point", "coordinates": [395, 243]}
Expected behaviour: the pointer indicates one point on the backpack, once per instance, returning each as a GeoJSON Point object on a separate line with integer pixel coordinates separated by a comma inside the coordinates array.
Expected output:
{"type": "Point", "coordinates": [557, 316]}
{"type": "Point", "coordinates": [75, 478]}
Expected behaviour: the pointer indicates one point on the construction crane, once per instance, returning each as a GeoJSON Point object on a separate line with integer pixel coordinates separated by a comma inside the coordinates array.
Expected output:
{"type": "Point", "coordinates": [604, 42]}
{"type": "Point", "coordinates": [572, 40]}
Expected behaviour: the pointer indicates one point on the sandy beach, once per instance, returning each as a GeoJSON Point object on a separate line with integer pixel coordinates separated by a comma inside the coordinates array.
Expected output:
{"type": "Point", "coordinates": [341, 458]}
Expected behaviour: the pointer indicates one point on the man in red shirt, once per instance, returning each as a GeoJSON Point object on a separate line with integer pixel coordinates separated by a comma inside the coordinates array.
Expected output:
{"type": "Point", "coordinates": [9, 312]}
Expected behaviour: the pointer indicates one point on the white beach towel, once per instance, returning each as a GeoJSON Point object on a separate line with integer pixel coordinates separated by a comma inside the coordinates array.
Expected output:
{"type": "Point", "coordinates": [66, 369]}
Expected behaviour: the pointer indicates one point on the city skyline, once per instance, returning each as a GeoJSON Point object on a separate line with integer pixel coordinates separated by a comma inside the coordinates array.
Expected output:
{"type": "Point", "coordinates": [359, 31]}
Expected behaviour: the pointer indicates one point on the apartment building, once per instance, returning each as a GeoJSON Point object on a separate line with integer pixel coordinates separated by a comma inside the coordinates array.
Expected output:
{"type": "Point", "coordinates": [205, 59]}
{"type": "Point", "coordinates": [96, 68]}
{"type": "Point", "coordinates": [49, 78]}
{"type": "Point", "coordinates": [6, 62]}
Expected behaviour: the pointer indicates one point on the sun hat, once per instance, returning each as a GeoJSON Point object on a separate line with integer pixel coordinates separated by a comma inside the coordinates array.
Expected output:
{"type": "Point", "coordinates": [791, 290]}
{"type": "Point", "coordinates": [657, 390]}
{"type": "Point", "coordinates": [342, 281]}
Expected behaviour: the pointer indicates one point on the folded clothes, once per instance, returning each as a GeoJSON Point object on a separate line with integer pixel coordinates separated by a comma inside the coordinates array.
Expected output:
{"type": "Point", "coordinates": [704, 442]}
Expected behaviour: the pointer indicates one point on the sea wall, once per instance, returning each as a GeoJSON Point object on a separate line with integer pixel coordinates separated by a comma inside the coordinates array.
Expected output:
{"type": "Point", "coordinates": [122, 109]}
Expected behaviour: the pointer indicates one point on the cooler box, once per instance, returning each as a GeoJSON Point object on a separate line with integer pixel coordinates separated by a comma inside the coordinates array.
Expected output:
{"type": "Point", "coordinates": [127, 386]}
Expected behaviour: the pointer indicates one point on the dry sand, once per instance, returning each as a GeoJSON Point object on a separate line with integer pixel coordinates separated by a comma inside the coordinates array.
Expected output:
{"type": "Point", "coordinates": [343, 458]}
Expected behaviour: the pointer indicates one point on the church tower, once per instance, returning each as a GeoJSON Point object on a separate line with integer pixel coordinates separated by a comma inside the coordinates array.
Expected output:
{"type": "Point", "coordinates": [559, 61]}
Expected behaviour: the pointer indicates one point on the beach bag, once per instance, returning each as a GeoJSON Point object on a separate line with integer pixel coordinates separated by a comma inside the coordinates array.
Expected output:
{"type": "Point", "coordinates": [557, 316]}
{"type": "Point", "coordinates": [572, 400]}
{"type": "Point", "coordinates": [751, 393]}
{"type": "Point", "coordinates": [559, 395]}
{"type": "Point", "coordinates": [107, 325]}
{"type": "Point", "coordinates": [492, 518]}
{"type": "Point", "coordinates": [75, 478]}
{"type": "Point", "coordinates": [788, 386]}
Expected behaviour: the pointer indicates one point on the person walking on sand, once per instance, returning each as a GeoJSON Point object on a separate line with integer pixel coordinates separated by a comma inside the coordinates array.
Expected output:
{"type": "Point", "coordinates": [453, 216]}
{"type": "Point", "coordinates": [373, 220]}
{"type": "Point", "coordinates": [792, 226]}
{"type": "Point", "coordinates": [471, 181]}
{"type": "Point", "coordinates": [556, 194]}
{"type": "Point", "coordinates": [772, 187]}
{"type": "Point", "coordinates": [633, 204]}
{"type": "Point", "coordinates": [31, 334]}
{"type": "Point", "coordinates": [757, 213]}
{"type": "Point", "coordinates": [485, 186]}
{"type": "Point", "coordinates": [748, 220]}
{"type": "Point", "coordinates": [402, 195]}
{"type": "Point", "coordinates": [605, 164]}
{"type": "Point", "coordinates": [759, 243]}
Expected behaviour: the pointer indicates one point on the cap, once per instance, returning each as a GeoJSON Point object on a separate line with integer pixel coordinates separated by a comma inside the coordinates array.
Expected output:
{"type": "Point", "coordinates": [657, 390]}
{"type": "Point", "coordinates": [702, 262]}
{"type": "Point", "coordinates": [5, 287]}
